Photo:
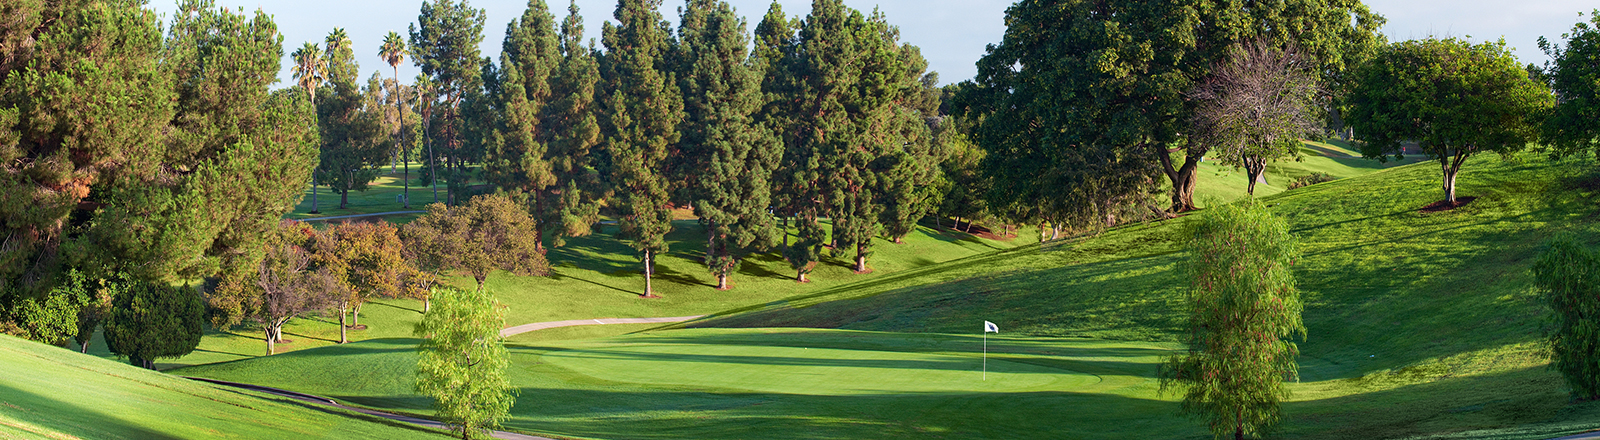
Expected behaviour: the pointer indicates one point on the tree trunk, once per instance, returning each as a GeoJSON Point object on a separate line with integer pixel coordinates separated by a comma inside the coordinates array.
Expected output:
{"type": "Point", "coordinates": [1055, 231]}
{"type": "Point", "coordinates": [800, 276]}
{"type": "Point", "coordinates": [344, 196]}
{"type": "Point", "coordinates": [85, 349]}
{"type": "Point", "coordinates": [1182, 177]}
{"type": "Point", "coordinates": [314, 209]}
{"type": "Point", "coordinates": [1452, 167]}
{"type": "Point", "coordinates": [355, 313]}
{"type": "Point", "coordinates": [271, 339]}
{"type": "Point", "coordinates": [722, 281]}
{"type": "Point", "coordinates": [861, 259]}
{"type": "Point", "coordinates": [648, 292]}
{"type": "Point", "coordinates": [342, 309]}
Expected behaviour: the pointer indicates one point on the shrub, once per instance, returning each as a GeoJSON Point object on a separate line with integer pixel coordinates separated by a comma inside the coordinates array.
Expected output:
{"type": "Point", "coordinates": [1311, 179]}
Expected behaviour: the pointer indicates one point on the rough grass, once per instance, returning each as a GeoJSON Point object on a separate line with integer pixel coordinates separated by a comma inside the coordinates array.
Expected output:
{"type": "Point", "coordinates": [48, 392]}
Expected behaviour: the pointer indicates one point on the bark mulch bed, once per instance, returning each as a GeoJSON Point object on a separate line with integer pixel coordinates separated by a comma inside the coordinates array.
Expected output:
{"type": "Point", "coordinates": [1442, 206]}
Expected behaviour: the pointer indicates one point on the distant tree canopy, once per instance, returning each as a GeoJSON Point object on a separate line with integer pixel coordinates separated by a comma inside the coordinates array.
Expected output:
{"type": "Point", "coordinates": [490, 232]}
{"type": "Point", "coordinates": [1082, 102]}
{"type": "Point", "coordinates": [1574, 74]}
{"type": "Point", "coordinates": [132, 153]}
{"type": "Point", "coordinates": [1453, 98]}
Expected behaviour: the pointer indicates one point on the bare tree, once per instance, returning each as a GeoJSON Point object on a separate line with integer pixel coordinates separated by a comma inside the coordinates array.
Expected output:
{"type": "Point", "coordinates": [1256, 106]}
{"type": "Point", "coordinates": [286, 282]}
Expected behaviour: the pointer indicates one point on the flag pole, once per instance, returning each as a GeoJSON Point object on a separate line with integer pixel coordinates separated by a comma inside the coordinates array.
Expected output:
{"type": "Point", "coordinates": [985, 355]}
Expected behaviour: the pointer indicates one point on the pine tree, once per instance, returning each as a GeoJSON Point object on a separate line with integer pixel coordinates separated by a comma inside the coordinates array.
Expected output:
{"type": "Point", "coordinates": [444, 43]}
{"type": "Point", "coordinates": [642, 110]}
{"type": "Point", "coordinates": [530, 54]}
{"type": "Point", "coordinates": [571, 206]}
{"type": "Point", "coordinates": [353, 139]}
{"type": "Point", "coordinates": [729, 156]}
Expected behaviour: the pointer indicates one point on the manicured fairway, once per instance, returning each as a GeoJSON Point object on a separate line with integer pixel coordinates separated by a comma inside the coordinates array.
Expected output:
{"type": "Point", "coordinates": [49, 392]}
{"type": "Point", "coordinates": [779, 383]}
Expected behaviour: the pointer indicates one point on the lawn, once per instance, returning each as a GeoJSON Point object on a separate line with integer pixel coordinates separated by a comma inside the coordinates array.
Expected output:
{"type": "Point", "coordinates": [598, 277]}
{"type": "Point", "coordinates": [1420, 324]}
{"type": "Point", "coordinates": [779, 384]}
{"type": "Point", "coordinates": [48, 392]}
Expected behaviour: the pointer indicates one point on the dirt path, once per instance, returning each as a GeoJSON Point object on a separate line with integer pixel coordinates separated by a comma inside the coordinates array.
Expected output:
{"type": "Point", "coordinates": [319, 400]}
{"type": "Point", "coordinates": [517, 330]}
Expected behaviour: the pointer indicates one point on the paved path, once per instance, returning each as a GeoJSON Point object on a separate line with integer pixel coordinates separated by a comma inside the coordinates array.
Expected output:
{"type": "Point", "coordinates": [517, 330]}
{"type": "Point", "coordinates": [329, 402]}
{"type": "Point", "coordinates": [375, 214]}
{"type": "Point", "coordinates": [319, 400]}
{"type": "Point", "coordinates": [1591, 435]}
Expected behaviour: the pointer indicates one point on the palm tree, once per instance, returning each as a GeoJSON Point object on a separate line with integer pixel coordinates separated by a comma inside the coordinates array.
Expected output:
{"type": "Point", "coordinates": [309, 69]}
{"type": "Point", "coordinates": [394, 52]}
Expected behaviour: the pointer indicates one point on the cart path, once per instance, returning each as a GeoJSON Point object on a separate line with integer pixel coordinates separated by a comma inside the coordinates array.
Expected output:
{"type": "Point", "coordinates": [319, 400]}
{"type": "Point", "coordinates": [517, 330]}
{"type": "Point", "coordinates": [343, 217]}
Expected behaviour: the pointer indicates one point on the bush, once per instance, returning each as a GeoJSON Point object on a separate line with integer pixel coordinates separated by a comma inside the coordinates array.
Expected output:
{"type": "Point", "coordinates": [1311, 179]}
{"type": "Point", "coordinates": [150, 321]}
{"type": "Point", "coordinates": [1569, 277]}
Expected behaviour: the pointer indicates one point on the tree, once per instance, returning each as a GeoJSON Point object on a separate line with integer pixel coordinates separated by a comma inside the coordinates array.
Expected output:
{"type": "Point", "coordinates": [795, 190]}
{"type": "Point", "coordinates": [462, 363]}
{"type": "Point", "coordinates": [520, 158]}
{"type": "Point", "coordinates": [82, 97]}
{"type": "Point", "coordinates": [1568, 275]}
{"type": "Point", "coordinates": [394, 52]}
{"type": "Point", "coordinates": [365, 260]}
{"type": "Point", "coordinates": [1244, 305]}
{"type": "Point", "coordinates": [151, 321]}
{"type": "Point", "coordinates": [1124, 66]}
{"type": "Point", "coordinates": [309, 69]}
{"type": "Point", "coordinates": [1571, 127]}
{"type": "Point", "coordinates": [444, 43]}
{"type": "Point", "coordinates": [1256, 106]}
{"type": "Point", "coordinates": [288, 281]}
{"type": "Point", "coordinates": [490, 232]}
{"type": "Point", "coordinates": [727, 157]}
{"type": "Point", "coordinates": [1453, 98]}
{"type": "Point", "coordinates": [351, 123]}
{"type": "Point", "coordinates": [641, 110]}
{"type": "Point", "coordinates": [96, 308]}
{"type": "Point", "coordinates": [572, 206]}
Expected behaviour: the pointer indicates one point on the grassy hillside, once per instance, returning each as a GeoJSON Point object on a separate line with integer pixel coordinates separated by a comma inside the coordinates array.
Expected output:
{"type": "Point", "coordinates": [1420, 324]}
{"type": "Point", "coordinates": [599, 277]}
{"type": "Point", "coordinates": [48, 392]}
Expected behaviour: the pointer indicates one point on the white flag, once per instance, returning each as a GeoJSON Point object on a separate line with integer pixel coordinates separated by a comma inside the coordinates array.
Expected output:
{"type": "Point", "coordinates": [989, 327]}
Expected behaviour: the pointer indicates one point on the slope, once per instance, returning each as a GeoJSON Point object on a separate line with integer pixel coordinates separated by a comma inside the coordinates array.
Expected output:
{"type": "Point", "coordinates": [48, 392]}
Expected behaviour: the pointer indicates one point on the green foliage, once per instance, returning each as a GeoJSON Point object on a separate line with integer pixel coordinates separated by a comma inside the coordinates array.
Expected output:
{"type": "Point", "coordinates": [1453, 98]}
{"type": "Point", "coordinates": [444, 43]}
{"type": "Point", "coordinates": [288, 280]}
{"type": "Point", "coordinates": [351, 122]}
{"type": "Point", "coordinates": [462, 364]}
{"type": "Point", "coordinates": [1571, 126]}
{"type": "Point", "coordinates": [726, 158]}
{"type": "Point", "coordinates": [641, 109]}
{"type": "Point", "coordinates": [1311, 179]}
{"type": "Point", "coordinates": [1569, 277]}
{"type": "Point", "coordinates": [150, 321]}
{"type": "Point", "coordinates": [490, 232]}
{"type": "Point", "coordinates": [1245, 304]}
{"type": "Point", "coordinates": [572, 206]}
{"type": "Point", "coordinates": [1083, 99]}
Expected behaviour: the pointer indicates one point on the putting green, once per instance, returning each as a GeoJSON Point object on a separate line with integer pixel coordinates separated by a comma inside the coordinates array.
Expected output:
{"type": "Point", "coordinates": [812, 371]}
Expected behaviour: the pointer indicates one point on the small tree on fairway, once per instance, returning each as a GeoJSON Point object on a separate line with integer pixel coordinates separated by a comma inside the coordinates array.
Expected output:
{"type": "Point", "coordinates": [150, 321]}
{"type": "Point", "coordinates": [366, 258]}
{"type": "Point", "coordinates": [1569, 277]}
{"type": "Point", "coordinates": [462, 363]}
{"type": "Point", "coordinates": [1453, 98]}
{"type": "Point", "coordinates": [1244, 306]}
{"type": "Point", "coordinates": [287, 282]}
{"type": "Point", "coordinates": [1256, 106]}
{"type": "Point", "coordinates": [488, 233]}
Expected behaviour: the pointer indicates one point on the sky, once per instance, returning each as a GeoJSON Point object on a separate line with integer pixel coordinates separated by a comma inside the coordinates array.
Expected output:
{"type": "Point", "coordinates": [951, 33]}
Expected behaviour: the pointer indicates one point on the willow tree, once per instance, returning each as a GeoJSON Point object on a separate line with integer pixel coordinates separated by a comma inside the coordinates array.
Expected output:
{"type": "Point", "coordinates": [1453, 98]}
{"type": "Point", "coordinates": [1244, 307]}
{"type": "Point", "coordinates": [641, 111]}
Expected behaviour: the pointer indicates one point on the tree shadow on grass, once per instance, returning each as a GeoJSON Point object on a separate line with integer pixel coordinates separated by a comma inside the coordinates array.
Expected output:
{"type": "Point", "coordinates": [81, 421]}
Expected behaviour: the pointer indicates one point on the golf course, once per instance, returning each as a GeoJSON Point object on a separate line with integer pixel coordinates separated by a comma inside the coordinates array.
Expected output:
{"type": "Point", "coordinates": [797, 220]}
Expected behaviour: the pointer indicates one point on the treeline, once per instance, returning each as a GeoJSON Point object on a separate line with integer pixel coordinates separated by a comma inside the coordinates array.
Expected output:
{"type": "Point", "coordinates": [801, 121]}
